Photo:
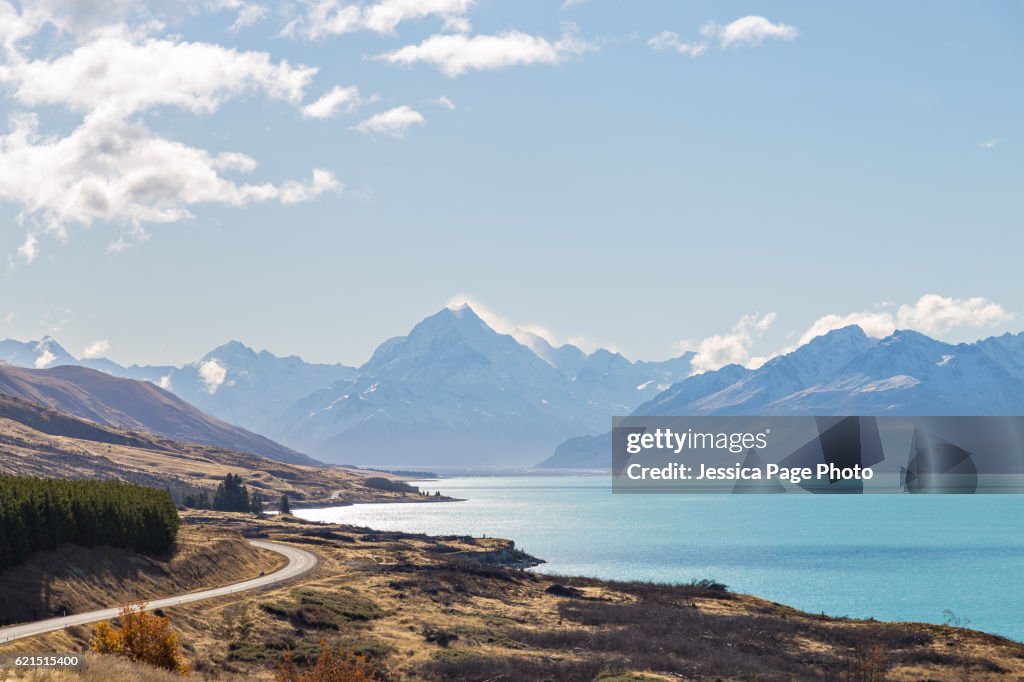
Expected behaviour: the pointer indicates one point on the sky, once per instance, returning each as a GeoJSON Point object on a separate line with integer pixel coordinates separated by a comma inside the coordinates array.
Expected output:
{"type": "Point", "coordinates": [315, 177]}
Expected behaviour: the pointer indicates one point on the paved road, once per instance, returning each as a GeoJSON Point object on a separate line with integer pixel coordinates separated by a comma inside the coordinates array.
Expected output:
{"type": "Point", "coordinates": [299, 561]}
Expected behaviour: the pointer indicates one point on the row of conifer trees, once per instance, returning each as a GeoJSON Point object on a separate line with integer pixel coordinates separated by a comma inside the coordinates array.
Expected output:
{"type": "Point", "coordinates": [39, 514]}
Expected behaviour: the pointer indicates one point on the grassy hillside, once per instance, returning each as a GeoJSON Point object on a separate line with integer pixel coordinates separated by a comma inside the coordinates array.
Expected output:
{"type": "Point", "coordinates": [39, 441]}
{"type": "Point", "coordinates": [137, 405]}
{"type": "Point", "coordinates": [78, 579]}
{"type": "Point", "coordinates": [451, 608]}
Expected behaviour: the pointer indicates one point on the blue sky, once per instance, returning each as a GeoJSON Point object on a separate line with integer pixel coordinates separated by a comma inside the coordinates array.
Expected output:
{"type": "Point", "coordinates": [769, 171]}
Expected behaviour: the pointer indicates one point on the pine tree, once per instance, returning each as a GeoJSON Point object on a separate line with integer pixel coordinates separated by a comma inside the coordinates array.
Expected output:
{"type": "Point", "coordinates": [231, 495]}
{"type": "Point", "coordinates": [41, 514]}
{"type": "Point", "coordinates": [284, 507]}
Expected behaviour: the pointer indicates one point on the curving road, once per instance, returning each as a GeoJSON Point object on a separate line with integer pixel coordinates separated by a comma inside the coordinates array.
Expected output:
{"type": "Point", "coordinates": [299, 561]}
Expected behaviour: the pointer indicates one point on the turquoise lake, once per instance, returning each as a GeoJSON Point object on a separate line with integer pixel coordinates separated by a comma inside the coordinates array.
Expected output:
{"type": "Point", "coordinates": [891, 557]}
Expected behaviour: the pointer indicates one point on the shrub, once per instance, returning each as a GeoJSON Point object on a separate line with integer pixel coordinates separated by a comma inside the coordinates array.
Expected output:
{"type": "Point", "coordinates": [142, 637]}
{"type": "Point", "coordinates": [330, 666]}
{"type": "Point", "coordinates": [381, 483]}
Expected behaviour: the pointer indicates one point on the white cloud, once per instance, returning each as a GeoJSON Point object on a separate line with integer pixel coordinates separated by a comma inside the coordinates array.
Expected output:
{"type": "Point", "coordinates": [393, 122]}
{"type": "Point", "coordinates": [667, 41]}
{"type": "Point", "coordinates": [458, 54]}
{"type": "Point", "coordinates": [521, 332]}
{"type": "Point", "coordinates": [877, 324]}
{"type": "Point", "coordinates": [77, 17]}
{"type": "Point", "coordinates": [116, 75]}
{"type": "Point", "coordinates": [29, 248]}
{"type": "Point", "coordinates": [990, 144]}
{"type": "Point", "coordinates": [45, 357]}
{"type": "Point", "coordinates": [294, 192]}
{"type": "Point", "coordinates": [112, 167]}
{"type": "Point", "coordinates": [338, 99]}
{"type": "Point", "coordinates": [164, 382]}
{"type": "Point", "coordinates": [931, 314]}
{"type": "Point", "coordinates": [446, 103]}
{"type": "Point", "coordinates": [248, 13]}
{"type": "Point", "coordinates": [719, 350]}
{"type": "Point", "coordinates": [96, 349]}
{"type": "Point", "coordinates": [748, 30]}
{"type": "Point", "coordinates": [213, 375]}
{"type": "Point", "coordinates": [323, 18]}
{"type": "Point", "coordinates": [572, 3]}
{"type": "Point", "coordinates": [116, 171]}
{"type": "Point", "coordinates": [934, 314]}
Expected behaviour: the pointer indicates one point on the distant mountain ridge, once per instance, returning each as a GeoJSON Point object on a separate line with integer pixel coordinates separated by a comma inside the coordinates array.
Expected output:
{"type": "Point", "coordinates": [455, 392]}
{"type": "Point", "coordinates": [844, 372]}
{"type": "Point", "coordinates": [452, 392]}
{"type": "Point", "coordinates": [136, 405]}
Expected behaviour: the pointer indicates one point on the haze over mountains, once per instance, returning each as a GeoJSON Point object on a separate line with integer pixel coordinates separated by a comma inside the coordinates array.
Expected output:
{"type": "Point", "coordinates": [454, 392]}
{"type": "Point", "coordinates": [130, 404]}
{"type": "Point", "coordinates": [845, 372]}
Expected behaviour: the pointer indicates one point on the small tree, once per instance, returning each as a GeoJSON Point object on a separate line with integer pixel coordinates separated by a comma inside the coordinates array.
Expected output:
{"type": "Point", "coordinates": [256, 503]}
{"type": "Point", "coordinates": [331, 666]}
{"type": "Point", "coordinates": [140, 636]}
{"type": "Point", "coordinates": [198, 500]}
{"type": "Point", "coordinates": [284, 507]}
{"type": "Point", "coordinates": [231, 495]}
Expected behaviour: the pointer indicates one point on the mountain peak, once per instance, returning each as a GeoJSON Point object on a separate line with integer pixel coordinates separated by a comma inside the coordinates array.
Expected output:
{"type": "Point", "coordinates": [850, 331]}
{"type": "Point", "coordinates": [463, 312]}
{"type": "Point", "coordinates": [461, 316]}
{"type": "Point", "coordinates": [232, 350]}
{"type": "Point", "coordinates": [909, 336]}
{"type": "Point", "coordinates": [234, 347]}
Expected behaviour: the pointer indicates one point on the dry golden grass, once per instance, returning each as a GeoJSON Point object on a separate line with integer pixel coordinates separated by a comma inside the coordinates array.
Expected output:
{"type": "Point", "coordinates": [98, 668]}
{"type": "Point", "coordinates": [77, 579]}
{"type": "Point", "coordinates": [420, 607]}
{"type": "Point", "coordinates": [180, 466]}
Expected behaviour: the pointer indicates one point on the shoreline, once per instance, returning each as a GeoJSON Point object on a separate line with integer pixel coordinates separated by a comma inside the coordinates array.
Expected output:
{"type": "Point", "coordinates": [457, 607]}
{"type": "Point", "coordinates": [838, 611]}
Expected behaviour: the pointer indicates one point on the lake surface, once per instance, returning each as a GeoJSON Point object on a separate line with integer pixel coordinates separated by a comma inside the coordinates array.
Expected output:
{"type": "Point", "coordinates": [892, 557]}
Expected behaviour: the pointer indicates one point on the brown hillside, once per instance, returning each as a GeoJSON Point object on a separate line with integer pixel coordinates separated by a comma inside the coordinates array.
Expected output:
{"type": "Point", "coordinates": [78, 579]}
{"type": "Point", "coordinates": [131, 404]}
{"type": "Point", "coordinates": [39, 441]}
{"type": "Point", "coordinates": [448, 608]}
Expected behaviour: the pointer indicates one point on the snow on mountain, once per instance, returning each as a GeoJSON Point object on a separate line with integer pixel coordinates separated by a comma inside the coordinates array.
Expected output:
{"type": "Point", "coordinates": [452, 392]}
{"type": "Point", "coordinates": [35, 354]}
{"type": "Point", "coordinates": [455, 392]}
{"type": "Point", "coordinates": [845, 372]}
{"type": "Point", "coordinates": [249, 388]}
{"type": "Point", "coordinates": [232, 382]}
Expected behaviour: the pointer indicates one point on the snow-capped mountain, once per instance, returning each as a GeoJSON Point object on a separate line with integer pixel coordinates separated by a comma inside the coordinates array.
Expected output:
{"type": "Point", "coordinates": [452, 392]}
{"type": "Point", "coordinates": [232, 382]}
{"type": "Point", "coordinates": [845, 372]}
{"type": "Point", "coordinates": [34, 354]}
{"type": "Point", "coordinates": [252, 389]}
{"type": "Point", "coordinates": [455, 392]}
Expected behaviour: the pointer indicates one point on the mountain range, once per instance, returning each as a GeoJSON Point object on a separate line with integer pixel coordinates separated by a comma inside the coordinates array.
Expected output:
{"type": "Point", "coordinates": [844, 372]}
{"type": "Point", "coordinates": [453, 392]}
